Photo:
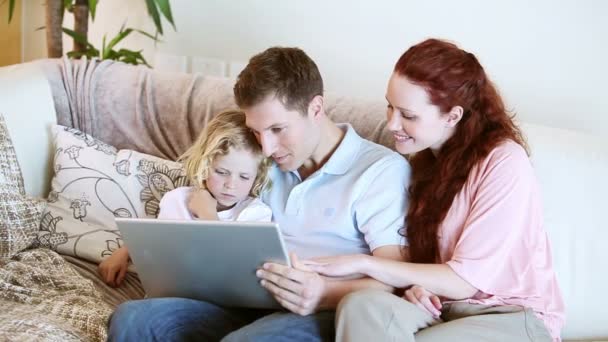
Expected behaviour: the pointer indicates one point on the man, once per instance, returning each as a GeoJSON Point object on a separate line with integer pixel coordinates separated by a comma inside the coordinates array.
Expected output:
{"type": "Point", "coordinates": [333, 193]}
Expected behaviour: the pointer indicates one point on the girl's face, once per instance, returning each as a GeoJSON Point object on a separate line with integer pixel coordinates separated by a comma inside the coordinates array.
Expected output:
{"type": "Point", "coordinates": [415, 122]}
{"type": "Point", "coordinates": [231, 177]}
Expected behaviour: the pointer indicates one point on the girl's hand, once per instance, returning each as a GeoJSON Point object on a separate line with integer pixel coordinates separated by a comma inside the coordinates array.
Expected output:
{"type": "Point", "coordinates": [202, 205]}
{"type": "Point", "coordinates": [114, 269]}
{"type": "Point", "coordinates": [424, 299]}
{"type": "Point", "coordinates": [343, 266]}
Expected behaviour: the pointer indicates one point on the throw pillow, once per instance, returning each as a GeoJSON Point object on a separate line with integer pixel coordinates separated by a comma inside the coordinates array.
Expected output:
{"type": "Point", "coordinates": [19, 215]}
{"type": "Point", "coordinates": [93, 184]}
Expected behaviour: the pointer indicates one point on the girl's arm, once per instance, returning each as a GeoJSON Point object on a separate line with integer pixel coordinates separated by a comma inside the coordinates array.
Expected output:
{"type": "Point", "coordinates": [202, 205]}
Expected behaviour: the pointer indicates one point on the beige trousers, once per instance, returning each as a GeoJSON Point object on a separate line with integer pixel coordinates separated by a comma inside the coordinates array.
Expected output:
{"type": "Point", "coordinates": [373, 315]}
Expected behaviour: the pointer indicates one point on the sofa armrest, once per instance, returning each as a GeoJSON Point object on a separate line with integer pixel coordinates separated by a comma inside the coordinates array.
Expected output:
{"type": "Point", "coordinates": [27, 105]}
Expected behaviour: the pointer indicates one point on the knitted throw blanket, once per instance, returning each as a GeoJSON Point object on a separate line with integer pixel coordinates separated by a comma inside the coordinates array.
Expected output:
{"type": "Point", "coordinates": [43, 298]}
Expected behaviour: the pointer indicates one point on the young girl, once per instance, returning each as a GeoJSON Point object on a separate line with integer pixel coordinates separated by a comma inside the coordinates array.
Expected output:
{"type": "Point", "coordinates": [228, 170]}
{"type": "Point", "coordinates": [478, 265]}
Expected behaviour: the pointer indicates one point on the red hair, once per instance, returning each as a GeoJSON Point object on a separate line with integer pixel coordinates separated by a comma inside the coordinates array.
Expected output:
{"type": "Point", "coordinates": [451, 77]}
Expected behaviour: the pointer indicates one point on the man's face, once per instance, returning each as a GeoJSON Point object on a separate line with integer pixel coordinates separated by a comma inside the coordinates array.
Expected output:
{"type": "Point", "coordinates": [287, 136]}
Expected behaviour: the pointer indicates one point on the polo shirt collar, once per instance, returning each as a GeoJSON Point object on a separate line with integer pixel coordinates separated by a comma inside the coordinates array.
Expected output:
{"type": "Point", "coordinates": [344, 156]}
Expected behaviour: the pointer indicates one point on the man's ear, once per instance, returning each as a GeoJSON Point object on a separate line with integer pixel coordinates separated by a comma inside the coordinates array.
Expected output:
{"type": "Point", "coordinates": [454, 116]}
{"type": "Point", "coordinates": [315, 107]}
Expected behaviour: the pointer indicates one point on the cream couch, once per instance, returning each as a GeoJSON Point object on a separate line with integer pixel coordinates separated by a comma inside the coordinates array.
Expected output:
{"type": "Point", "coordinates": [571, 166]}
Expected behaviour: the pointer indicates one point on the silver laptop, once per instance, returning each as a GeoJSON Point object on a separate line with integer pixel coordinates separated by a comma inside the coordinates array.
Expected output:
{"type": "Point", "coordinates": [212, 261]}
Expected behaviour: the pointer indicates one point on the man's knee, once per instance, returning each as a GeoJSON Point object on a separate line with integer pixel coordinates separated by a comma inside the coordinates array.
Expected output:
{"type": "Point", "coordinates": [283, 326]}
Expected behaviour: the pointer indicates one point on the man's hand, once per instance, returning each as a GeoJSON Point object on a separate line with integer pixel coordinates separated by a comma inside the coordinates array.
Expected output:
{"type": "Point", "coordinates": [424, 299]}
{"type": "Point", "coordinates": [202, 205]}
{"type": "Point", "coordinates": [297, 288]}
{"type": "Point", "coordinates": [114, 269]}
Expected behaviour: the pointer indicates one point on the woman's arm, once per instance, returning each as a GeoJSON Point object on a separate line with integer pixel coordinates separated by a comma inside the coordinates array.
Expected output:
{"type": "Point", "coordinates": [437, 278]}
{"type": "Point", "coordinates": [489, 255]}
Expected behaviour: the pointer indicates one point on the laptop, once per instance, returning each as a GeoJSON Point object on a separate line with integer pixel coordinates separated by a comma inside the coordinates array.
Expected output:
{"type": "Point", "coordinates": [213, 261]}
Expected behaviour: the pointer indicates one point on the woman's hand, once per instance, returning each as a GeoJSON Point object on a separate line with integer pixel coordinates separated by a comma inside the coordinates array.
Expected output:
{"type": "Point", "coordinates": [343, 266]}
{"type": "Point", "coordinates": [114, 269]}
{"type": "Point", "coordinates": [424, 299]}
{"type": "Point", "coordinates": [202, 205]}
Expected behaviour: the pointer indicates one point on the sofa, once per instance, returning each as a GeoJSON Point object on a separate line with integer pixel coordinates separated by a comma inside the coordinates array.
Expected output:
{"type": "Point", "coordinates": [51, 293]}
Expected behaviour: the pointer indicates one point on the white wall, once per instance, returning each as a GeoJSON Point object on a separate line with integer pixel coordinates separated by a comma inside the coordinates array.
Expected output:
{"type": "Point", "coordinates": [546, 56]}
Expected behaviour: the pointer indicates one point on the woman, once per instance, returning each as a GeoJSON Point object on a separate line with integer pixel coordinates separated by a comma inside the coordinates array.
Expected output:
{"type": "Point", "coordinates": [478, 261]}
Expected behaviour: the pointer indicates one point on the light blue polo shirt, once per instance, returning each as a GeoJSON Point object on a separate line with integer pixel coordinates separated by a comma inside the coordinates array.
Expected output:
{"type": "Point", "coordinates": [355, 203]}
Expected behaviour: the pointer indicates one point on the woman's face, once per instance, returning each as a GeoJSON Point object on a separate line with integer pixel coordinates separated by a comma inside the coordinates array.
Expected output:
{"type": "Point", "coordinates": [415, 122]}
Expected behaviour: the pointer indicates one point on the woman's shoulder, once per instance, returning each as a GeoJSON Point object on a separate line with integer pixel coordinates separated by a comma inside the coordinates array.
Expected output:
{"type": "Point", "coordinates": [508, 159]}
{"type": "Point", "coordinates": [508, 153]}
{"type": "Point", "coordinates": [509, 149]}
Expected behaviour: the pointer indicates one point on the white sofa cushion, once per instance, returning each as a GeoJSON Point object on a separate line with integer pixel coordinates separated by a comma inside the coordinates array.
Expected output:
{"type": "Point", "coordinates": [27, 104]}
{"type": "Point", "coordinates": [572, 169]}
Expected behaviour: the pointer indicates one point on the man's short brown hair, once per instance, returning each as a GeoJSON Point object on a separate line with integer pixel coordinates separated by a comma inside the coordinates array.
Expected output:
{"type": "Point", "coordinates": [287, 73]}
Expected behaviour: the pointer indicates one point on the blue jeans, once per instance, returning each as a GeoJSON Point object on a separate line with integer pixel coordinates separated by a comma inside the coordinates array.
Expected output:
{"type": "Point", "coordinates": [180, 319]}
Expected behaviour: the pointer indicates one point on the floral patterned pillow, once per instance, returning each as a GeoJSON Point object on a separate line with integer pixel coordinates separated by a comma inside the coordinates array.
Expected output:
{"type": "Point", "coordinates": [93, 184]}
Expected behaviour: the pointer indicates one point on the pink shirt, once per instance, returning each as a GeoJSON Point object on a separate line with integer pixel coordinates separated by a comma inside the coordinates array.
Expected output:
{"type": "Point", "coordinates": [493, 237]}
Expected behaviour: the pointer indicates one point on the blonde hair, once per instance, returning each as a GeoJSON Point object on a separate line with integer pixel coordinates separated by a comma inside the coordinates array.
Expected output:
{"type": "Point", "coordinates": [225, 131]}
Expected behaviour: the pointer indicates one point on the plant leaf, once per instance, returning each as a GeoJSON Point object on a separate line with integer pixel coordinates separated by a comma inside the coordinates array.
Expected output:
{"type": "Point", "coordinates": [120, 36]}
{"type": "Point", "coordinates": [132, 57]}
{"type": "Point", "coordinates": [11, 10]}
{"type": "Point", "coordinates": [74, 54]}
{"type": "Point", "coordinates": [93, 8]}
{"type": "Point", "coordinates": [68, 5]}
{"type": "Point", "coordinates": [77, 37]}
{"type": "Point", "coordinates": [103, 46]}
{"type": "Point", "coordinates": [154, 38]}
{"type": "Point", "coordinates": [153, 12]}
{"type": "Point", "coordinates": [165, 9]}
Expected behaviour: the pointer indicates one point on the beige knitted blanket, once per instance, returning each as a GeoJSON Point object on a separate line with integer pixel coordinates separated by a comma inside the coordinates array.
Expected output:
{"type": "Point", "coordinates": [44, 298]}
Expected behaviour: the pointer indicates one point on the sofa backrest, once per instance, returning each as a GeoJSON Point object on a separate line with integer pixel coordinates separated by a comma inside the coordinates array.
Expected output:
{"type": "Point", "coordinates": [162, 113]}
{"type": "Point", "coordinates": [27, 106]}
{"type": "Point", "coordinates": [572, 169]}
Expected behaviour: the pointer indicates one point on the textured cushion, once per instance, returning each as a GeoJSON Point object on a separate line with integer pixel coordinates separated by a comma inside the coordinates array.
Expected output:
{"type": "Point", "coordinates": [93, 184]}
{"type": "Point", "coordinates": [44, 298]}
{"type": "Point", "coordinates": [19, 215]}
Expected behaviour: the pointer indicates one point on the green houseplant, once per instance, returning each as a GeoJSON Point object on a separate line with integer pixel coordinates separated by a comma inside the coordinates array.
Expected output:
{"type": "Point", "coordinates": [82, 10]}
